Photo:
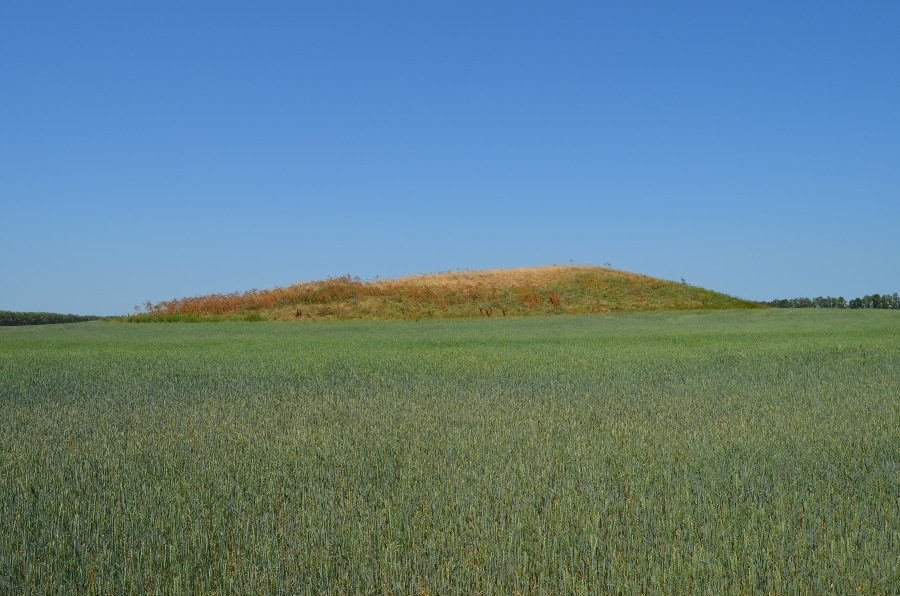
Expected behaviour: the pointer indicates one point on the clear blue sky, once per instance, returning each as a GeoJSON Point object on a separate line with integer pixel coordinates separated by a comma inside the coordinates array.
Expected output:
{"type": "Point", "coordinates": [151, 150]}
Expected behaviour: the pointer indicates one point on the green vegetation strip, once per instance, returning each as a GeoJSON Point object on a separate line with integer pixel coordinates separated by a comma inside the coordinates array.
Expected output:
{"type": "Point", "coordinates": [8, 318]}
{"type": "Point", "coordinates": [716, 452]}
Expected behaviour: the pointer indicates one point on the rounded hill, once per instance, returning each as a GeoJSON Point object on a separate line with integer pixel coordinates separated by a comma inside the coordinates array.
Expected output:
{"type": "Point", "coordinates": [491, 293]}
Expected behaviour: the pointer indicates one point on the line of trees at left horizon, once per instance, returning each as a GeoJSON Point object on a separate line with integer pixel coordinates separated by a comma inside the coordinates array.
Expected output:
{"type": "Point", "coordinates": [9, 318]}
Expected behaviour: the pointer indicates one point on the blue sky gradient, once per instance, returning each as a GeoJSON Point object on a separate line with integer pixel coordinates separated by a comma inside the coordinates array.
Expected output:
{"type": "Point", "coordinates": [159, 150]}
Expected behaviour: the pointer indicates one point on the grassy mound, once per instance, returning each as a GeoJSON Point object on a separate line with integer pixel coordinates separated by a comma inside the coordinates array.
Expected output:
{"type": "Point", "coordinates": [493, 293]}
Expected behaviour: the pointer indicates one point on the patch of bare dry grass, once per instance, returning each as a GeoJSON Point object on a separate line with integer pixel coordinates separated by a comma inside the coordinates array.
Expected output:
{"type": "Point", "coordinates": [498, 277]}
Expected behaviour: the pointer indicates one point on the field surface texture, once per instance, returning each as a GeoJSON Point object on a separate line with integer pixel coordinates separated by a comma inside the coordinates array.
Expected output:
{"type": "Point", "coordinates": [709, 452]}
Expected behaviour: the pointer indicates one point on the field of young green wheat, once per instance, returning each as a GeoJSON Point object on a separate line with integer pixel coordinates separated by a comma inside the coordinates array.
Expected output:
{"type": "Point", "coordinates": [710, 452]}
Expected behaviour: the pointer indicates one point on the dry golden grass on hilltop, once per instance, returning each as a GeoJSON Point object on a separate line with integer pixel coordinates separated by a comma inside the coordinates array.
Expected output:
{"type": "Point", "coordinates": [526, 291]}
{"type": "Point", "coordinates": [518, 277]}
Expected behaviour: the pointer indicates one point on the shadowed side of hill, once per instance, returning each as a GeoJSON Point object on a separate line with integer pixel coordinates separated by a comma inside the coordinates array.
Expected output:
{"type": "Point", "coordinates": [494, 293]}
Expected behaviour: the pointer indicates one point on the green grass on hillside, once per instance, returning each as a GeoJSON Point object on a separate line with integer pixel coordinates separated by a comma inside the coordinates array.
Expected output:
{"type": "Point", "coordinates": [497, 293]}
{"type": "Point", "coordinates": [714, 452]}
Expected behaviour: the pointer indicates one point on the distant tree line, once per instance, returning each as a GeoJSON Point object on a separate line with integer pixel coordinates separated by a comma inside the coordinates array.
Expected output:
{"type": "Point", "coordinates": [8, 318]}
{"type": "Point", "coordinates": [872, 301]}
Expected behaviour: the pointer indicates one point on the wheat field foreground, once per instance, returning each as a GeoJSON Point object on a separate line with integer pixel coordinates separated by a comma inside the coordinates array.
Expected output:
{"type": "Point", "coordinates": [709, 452]}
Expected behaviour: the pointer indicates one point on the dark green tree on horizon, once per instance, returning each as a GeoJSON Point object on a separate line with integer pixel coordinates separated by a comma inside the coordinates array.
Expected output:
{"type": "Point", "coordinates": [9, 318]}
{"type": "Point", "coordinates": [883, 301]}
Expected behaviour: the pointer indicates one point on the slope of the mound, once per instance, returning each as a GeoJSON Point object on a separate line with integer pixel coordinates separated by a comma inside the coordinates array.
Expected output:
{"type": "Point", "coordinates": [491, 293]}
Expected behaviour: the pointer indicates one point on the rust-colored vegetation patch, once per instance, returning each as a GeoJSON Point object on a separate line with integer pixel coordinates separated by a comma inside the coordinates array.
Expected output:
{"type": "Point", "coordinates": [491, 293]}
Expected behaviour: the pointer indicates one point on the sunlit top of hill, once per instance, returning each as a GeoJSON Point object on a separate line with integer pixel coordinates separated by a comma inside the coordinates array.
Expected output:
{"type": "Point", "coordinates": [452, 294]}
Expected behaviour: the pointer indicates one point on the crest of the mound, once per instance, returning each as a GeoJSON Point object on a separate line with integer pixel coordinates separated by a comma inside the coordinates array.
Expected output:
{"type": "Point", "coordinates": [511, 277]}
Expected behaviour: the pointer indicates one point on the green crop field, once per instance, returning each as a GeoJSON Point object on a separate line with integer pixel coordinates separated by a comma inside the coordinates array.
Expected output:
{"type": "Point", "coordinates": [710, 452]}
